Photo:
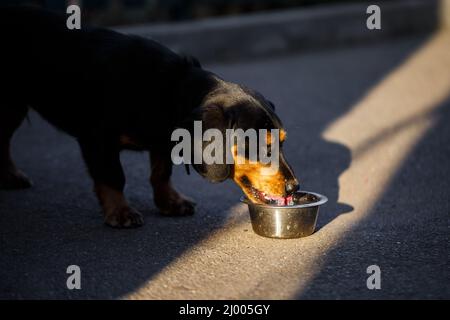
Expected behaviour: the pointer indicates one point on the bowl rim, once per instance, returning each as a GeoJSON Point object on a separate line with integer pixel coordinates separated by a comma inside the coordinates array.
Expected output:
{"type": "Point", "coordinates": [322, 200]}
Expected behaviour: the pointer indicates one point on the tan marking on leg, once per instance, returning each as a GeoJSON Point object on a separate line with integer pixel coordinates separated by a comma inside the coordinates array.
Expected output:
{"type": "Point", "coordinates": [126, 141]}
{"type": "Point", "coordinates": [116, 210]}
{"type": "Point", "coordinates": [109, 198]}
{"type": "Point", "coordinates": [168, 200]}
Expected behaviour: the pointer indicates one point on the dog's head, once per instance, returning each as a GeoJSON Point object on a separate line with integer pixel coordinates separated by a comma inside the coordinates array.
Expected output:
{"type": "Point", "coordinates": [231, 106]}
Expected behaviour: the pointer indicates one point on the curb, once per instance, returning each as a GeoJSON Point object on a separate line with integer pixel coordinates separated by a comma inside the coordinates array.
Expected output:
{"type": "Point", "coordinates": [262, 34]}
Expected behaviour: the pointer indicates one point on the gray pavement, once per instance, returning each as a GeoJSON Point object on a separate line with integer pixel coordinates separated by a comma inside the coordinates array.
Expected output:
{"type": "Point", "coordinates": [367, 126]}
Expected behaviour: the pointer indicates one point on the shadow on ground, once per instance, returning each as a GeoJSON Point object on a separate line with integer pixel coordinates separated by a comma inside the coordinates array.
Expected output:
{"type": "Point", "coordinates": [57, 223]}
{"type": "Point", "coordinates": [405, 233]}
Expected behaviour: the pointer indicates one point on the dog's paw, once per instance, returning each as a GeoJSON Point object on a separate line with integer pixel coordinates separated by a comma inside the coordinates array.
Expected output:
{"type": "Point", "coordinates": [14, 179]}
{"type": "Point", "coordinates": [177, 206]}
{"type": "Point", "coordinates": [124, 217]}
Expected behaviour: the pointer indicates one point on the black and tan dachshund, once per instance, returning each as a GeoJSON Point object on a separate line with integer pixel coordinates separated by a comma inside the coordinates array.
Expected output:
{"type": "Point", "coordinates": [112, 92]}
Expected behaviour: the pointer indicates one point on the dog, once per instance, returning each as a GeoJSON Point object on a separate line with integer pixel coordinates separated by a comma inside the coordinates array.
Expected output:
{"type": "Point", "coordinates": [112, 92]}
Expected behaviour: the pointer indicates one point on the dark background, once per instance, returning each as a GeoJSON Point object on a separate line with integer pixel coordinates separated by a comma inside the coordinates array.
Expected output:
{"type": "Point", "coordinates": [116, 12]}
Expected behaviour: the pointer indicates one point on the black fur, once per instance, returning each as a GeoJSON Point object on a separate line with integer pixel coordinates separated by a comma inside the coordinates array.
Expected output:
{"type": "Point", "coordinates": [96, 84]}
{"type": "Point", "coordinates": [100, 86]}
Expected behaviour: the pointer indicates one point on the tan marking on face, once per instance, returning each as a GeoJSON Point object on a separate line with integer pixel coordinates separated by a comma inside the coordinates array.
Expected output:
{"type": "Point", "coordinates": [283, 135]}
{"type": "Point", "coordinates": [269, 136]}
{"type": "Point", "coordinates": [273, 184]}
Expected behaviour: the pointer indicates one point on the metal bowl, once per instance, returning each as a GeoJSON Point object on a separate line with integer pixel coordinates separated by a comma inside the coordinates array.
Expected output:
{"type": "Point", "coordinates": [285, 222]}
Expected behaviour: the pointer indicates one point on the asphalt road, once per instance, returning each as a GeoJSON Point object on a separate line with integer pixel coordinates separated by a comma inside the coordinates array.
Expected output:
{"type": "Point", "coordinates": [367, 126]}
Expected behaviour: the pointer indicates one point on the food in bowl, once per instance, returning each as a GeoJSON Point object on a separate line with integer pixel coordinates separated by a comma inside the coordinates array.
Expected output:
{"type": "Point", "coordinates": [294, 220]}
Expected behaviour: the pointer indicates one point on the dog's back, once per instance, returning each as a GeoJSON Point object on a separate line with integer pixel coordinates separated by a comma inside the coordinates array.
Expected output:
{"type": "Point", "coordinates": [74, 78]}
{"type": "Point", "coordinates": [31, 39]}
{"type": "Point", "coordinates": [42, 62]}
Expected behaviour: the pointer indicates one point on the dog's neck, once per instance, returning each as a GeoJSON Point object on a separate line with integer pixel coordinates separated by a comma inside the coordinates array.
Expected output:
{"type": "Point", "coordinates": [193, 89]}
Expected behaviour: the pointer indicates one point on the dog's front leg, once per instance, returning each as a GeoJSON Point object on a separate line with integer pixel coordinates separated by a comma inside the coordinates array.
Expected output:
{"type": "Point", "coordinates": [103, 162]}
{"type": "Point", "coordinates": [167, 199]}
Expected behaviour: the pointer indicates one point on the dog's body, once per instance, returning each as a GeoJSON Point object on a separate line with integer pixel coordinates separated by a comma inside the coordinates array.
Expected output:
{"type": "Point", "coordinates": [112, 92]}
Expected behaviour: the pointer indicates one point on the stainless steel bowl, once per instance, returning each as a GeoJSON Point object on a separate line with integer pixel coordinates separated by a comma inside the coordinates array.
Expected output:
{"type": "Point", "coordinates": [284, 222]}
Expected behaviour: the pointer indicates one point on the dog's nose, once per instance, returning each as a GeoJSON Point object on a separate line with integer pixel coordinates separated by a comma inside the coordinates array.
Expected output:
{"type": "Point", "coordinates": [292, 186]}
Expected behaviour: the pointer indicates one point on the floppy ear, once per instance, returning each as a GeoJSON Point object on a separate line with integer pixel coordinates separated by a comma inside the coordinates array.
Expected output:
{"type": "Point", "coordinates": [213, 117]}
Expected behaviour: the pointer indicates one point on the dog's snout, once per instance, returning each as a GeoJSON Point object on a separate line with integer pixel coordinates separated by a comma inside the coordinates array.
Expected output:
{"type": "Point", "coordinates": [292, 186]}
